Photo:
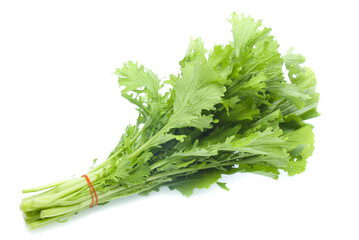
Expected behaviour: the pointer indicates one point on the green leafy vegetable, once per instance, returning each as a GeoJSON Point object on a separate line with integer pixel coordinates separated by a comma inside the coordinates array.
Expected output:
{"type": "Point", "coordinates": [230, 110]}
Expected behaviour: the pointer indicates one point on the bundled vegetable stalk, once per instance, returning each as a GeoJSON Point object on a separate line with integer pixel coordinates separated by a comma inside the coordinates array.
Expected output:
{"type": "Point", "coordinates": [230, 110]}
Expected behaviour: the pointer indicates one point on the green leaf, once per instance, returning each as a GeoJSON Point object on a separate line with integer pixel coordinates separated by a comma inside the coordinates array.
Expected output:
{"type": "Point", "coordinates": [264, 170]}
{"type": "Point", "coordinates": [245, 109]}
{"type": "Point", "coordinates": [300, 146]}
{"type": "Point", "coordinates": [203, 179]}
{"type": "Point", "coordinates": [137, 79]}
{"type": "Point", "coordinates": [269, 142]}
{"type": "Point", "coordinates": [223, 186]}
{"type": "Point", "coordinates": [195, 50]}
{"type": "Point", "coordinates": [220, 60]}
{"type": "Point", "coordinates": [245, 32]}
{"type": "Point", "coordinates": [304, 79]}
{"type": "Point", "coordinates": [137, 176]}
{"type": "Point", "coordinates": [200, 88]}
{"type": "Point", "coordinates": [254, 85]}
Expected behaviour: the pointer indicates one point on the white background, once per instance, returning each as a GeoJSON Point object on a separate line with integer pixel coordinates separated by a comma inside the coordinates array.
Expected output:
{"type": "Point", "coordinates": [61, 108]}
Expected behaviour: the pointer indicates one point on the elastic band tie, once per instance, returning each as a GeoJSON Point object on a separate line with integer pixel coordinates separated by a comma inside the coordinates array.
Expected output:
{"type": "Point", "coordinates": [92, 191]}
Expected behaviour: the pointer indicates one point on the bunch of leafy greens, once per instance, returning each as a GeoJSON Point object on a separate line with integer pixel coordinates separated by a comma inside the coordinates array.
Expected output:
{"type": "Point", "coordinates": [230, 110]}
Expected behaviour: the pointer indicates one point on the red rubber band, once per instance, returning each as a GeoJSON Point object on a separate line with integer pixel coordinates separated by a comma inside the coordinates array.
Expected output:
{"type": "Point", "coordinates": [92, 191]}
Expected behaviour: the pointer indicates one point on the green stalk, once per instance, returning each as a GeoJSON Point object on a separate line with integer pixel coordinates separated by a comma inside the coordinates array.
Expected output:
{"type": "Point", "coordinates": [60, 189]}
{"type": "Point", "coordinates": [64, 208]}
{"type": "Point", "coordinates": [144, 146]}
{"type": "Point", "coordinates": [36, 189]}
{"type": "Point", "coordinates": [50, 215]}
